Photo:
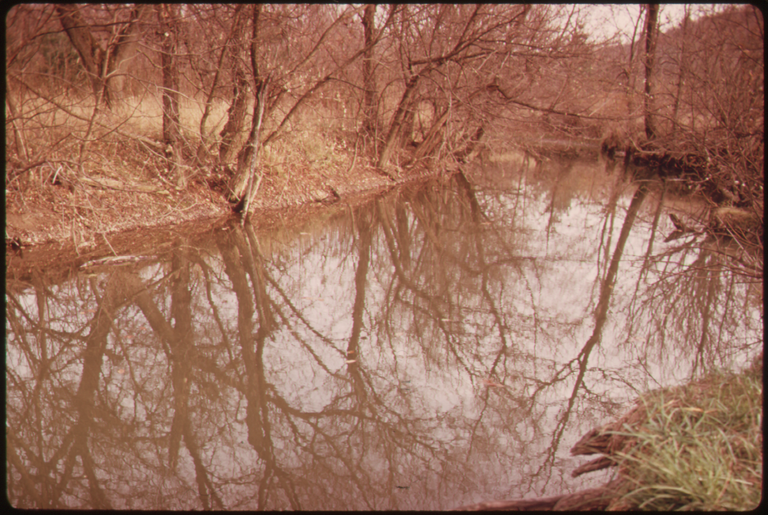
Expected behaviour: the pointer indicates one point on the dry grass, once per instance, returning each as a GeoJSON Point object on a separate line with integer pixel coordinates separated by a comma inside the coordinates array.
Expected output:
{"type": "Point", "coordinates": [145, 116]}
{"type": "Point", "coordinates": [59, 125]}
{"type": "Point", "coordinates": [56, 133]}
{"type": "Point", "coordinates": [120, 181]}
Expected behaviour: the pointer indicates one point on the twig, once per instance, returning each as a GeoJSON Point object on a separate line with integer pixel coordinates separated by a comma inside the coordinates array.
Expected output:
{"type": "Point", "coordinates": [110, 245]}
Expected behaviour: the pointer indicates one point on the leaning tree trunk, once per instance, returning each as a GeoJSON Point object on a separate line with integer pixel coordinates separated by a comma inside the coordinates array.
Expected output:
{"type": "Point", "coordinates": [398, 121]}
{"type": "Point", "coordinates": [248, 180]}
{"type": "Point", "coordinates": [235, 117]}
{"type": "Point", "coordinates": [238, 106]}
{"type": "Point", "coordinates": [245, 183]}
{"type": "Point", "coordinates": [433, 137]}
{"type": "Point", "coordinates": [167, 16]}
{"type": "Point", "coordinates": [650, 57]}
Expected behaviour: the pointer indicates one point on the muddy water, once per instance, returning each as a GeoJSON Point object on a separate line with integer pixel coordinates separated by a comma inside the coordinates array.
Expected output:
{"type": "Point", "coordinates": [430, 349]}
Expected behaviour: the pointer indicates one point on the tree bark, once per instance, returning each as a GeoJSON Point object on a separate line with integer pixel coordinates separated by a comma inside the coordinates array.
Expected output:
{"type": "Point", "coordinates": [167, 16]}
{"type": "Point", "coordinates": [235, 117]}
{"type": "Point", "coordinates": [433, 136]}
{"type": "Point", "coordinates": [398, 122]}
{"type": "Point", "coordinates": [249, 178]}
{"type": "Point", "coordinates": [240, 87]}
{"type": "Point", "coordinates": [126, 47]}
{"type": "Point", "coordinates": [651, 22]}
{"type": "Point", "coordinates": [370, 107]}
{"type": "Point", "coordinates": [105, 68]}
{"type": "Point", "coordinates": [90, 52]}
{"type": "Point", "coordinates": [234, 31]}
{"type": "Point", "coordinates": [245, 183]}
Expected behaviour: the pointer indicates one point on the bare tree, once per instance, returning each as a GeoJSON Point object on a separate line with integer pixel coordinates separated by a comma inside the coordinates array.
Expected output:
{"type": "Point", "coordinates": [651, 31]}
{"type": "Point", "coordinates": [168, 20]}
{"type": "Point", "coordinates": [105, 65]}
{"type": "Point", "coordinates": [431, 39]}
{"type": "Point", "coordinates": [229, 146]}
{"type": "Point", "coordinates": [370, 108]}
{"type": "Point", "coordinates": [245, 183]}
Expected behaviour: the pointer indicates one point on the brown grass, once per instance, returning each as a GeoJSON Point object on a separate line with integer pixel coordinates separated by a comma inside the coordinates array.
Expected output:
{"type": "Point", "coordinates": [122, 181]}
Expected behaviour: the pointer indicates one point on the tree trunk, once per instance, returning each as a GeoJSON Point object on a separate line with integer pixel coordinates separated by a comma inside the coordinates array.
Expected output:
{"type": "Point", "coordinates": [233, 33]}
{"type": "Point", "coordinates": [235, 117]}
{"type": "Point", "coordinates": [167, 16]}
{"type": "Point", "coordinates": [237, 109]}
{"type": "Point", "coordinates": [248, 180]}
{"type": "Point", "coordinates": [433, 136]}
{"type": "Point", "coordinates": [105, 68]}
{"type": "Point", "coordinates": [650, 56]}
{"type": "Point", "coordinates": [90, 51]}
{"type": "Point", "coordinates": [682, 72]}
{"type": "Point", "coordinates": [245, 183]}
{"type": "Point", "coordinates": [398, 122]}
{"type": "Point", "coordinates": [406, 129]}
{"type": "Point", "coordinates": [370, 107]}
{"type": "Point", "coordinates": [126, 47]}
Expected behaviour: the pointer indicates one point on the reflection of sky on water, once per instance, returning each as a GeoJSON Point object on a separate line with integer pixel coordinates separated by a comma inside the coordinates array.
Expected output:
{"type": "Point", "coordinates": [437, 398]}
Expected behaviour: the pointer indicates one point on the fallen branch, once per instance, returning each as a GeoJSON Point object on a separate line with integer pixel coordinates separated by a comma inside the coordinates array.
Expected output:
{"type": "Point", "coordinates": [114, 260]}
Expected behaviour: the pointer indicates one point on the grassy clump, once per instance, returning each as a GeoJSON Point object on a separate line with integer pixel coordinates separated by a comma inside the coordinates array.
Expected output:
{"type": "Point", "coordinates": [699, 448]}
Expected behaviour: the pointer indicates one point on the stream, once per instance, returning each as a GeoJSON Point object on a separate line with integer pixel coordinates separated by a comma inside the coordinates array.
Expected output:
{"type": "Point", "coordinates": [444, 344]}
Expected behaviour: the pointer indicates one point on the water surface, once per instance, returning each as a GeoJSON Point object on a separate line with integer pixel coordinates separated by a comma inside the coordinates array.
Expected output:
{"type": "Point", "coordinates": [439, 346]}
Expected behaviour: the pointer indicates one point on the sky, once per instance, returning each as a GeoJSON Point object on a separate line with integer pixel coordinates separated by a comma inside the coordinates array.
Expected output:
{"type": "Point", "coordinates": [603, 21]}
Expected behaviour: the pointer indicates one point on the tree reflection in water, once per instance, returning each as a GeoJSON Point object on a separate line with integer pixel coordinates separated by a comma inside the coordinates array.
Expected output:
{"type": "Point", "coordinates": [437, 347]}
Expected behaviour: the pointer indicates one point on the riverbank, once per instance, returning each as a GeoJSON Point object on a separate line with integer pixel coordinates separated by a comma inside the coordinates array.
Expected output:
{"type": "Point", "coordinates": [691, 447]}
{"type": "Point", "coordinates": [55, 207]}
{"type": "Point", "coordinates": [52, 205]}
{"type": "Point", "coordinates": [57, 219]}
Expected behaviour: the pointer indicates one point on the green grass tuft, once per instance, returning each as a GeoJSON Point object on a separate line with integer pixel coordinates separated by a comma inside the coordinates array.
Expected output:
{"type": "Point", "coordinates": [700, 447]}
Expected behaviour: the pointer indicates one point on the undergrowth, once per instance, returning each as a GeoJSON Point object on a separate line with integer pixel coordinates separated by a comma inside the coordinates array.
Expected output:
{"type": "Point", "coordinates": [700, 447]}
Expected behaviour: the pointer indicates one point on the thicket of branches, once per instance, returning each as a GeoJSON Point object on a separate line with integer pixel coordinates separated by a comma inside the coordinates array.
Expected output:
{"type": "Point", "coordinates": [194, 89]}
